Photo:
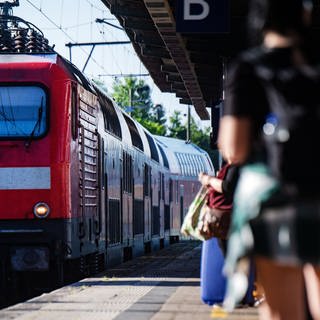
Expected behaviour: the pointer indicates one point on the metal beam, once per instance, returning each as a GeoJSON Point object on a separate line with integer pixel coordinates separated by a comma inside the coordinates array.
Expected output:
{"type": "Point", "coordinates": [79, 44]}
{"type": "Point", "coordinates": [93, 44]}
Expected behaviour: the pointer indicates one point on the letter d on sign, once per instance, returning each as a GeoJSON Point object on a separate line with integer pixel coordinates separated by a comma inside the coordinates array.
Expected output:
{"type": "Point", "coordinates": [187, 10]}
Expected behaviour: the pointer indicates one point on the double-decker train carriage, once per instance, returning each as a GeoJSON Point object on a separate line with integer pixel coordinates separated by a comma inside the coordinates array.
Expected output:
{"type": "Point", "coordinates": [82, 185]}
{"type": "Point", "coordinates": [186, 161]}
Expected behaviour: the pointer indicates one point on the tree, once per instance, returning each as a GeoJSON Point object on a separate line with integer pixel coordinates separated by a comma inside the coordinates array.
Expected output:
{"type": "Point", "coordinates": [200, 137]}
{"type": "Point", "coordinates": [133, 96]}
{"type": "Point", "coordinates": [175, 128]}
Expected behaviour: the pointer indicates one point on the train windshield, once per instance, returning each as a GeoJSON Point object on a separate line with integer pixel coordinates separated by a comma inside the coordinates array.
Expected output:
{"type": "Point", "coordinates": [23, 112]}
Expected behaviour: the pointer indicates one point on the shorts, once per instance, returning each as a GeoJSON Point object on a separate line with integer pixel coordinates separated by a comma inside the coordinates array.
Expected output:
{"type": "Point", "coordinates": [290, 233]}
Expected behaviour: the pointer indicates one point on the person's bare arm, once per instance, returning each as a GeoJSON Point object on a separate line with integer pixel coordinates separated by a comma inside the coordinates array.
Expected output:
{"type": "Point", "coordinates": [234, 138]}
{"type": "Point", "coordinates": [212, 181]}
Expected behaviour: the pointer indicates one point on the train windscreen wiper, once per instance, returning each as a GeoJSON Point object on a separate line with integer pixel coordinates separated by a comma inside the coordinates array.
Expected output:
{"type": "Point", "coordinates": [8, 120]}
{"type": "Point", "coordinates": [37, 124]}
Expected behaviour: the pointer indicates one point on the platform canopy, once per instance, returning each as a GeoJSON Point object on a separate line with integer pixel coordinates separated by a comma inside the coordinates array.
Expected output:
{"type": "Point", "coordinates": [184, 44]}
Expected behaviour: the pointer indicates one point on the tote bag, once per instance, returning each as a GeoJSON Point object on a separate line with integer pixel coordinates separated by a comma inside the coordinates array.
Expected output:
{"type": "Point", "coordinates": [190, 223]}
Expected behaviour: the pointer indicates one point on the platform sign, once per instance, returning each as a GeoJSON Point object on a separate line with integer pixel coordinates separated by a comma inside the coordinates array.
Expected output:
{"type": "Point", "coordinates": [202, 16]}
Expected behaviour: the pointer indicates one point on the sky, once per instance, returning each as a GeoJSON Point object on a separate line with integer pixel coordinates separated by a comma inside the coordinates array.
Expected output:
{"type": "Point", "coordinates": [74, 21]}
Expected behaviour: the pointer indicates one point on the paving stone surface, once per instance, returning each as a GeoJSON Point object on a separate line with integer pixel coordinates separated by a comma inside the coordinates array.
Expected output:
{"type": "Point", "coordinates": [164, 285]}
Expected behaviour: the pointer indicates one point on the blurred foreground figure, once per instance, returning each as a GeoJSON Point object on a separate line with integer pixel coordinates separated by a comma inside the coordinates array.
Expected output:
{"type": "Point", "coordinates": [270, 126]}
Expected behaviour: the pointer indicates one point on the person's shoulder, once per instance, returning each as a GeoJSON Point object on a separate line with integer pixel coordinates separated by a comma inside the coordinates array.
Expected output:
{"type": "Point", "coordinates": [249, 57]}
{"type": "Point", "coordinates": [257, 62]}
{"type": "Point", "coordinates": [252, 55]}
{"type": "Point", "coordinates": [245, 62]}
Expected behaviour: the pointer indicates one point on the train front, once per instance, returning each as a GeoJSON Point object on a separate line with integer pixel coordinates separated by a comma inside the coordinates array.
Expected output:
{"type": "Point", "coordinates": [34, 184]}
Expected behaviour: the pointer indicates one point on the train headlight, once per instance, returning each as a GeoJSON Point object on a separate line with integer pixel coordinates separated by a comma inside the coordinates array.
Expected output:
{"type": "Point", "coordinates": [41, 210]}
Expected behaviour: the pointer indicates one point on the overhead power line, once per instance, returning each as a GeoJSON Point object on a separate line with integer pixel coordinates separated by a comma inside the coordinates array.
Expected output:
{"type": "Point", "coordinates": [93, 44]}
{"type": "Point", "coordinates": [60, 27]}
{"type": "Point", "coordinates": [118, 75]}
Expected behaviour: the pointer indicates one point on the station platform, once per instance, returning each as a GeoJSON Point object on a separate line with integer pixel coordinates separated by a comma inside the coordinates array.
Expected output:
{"type": "Point", "coordinates": [163, 285]}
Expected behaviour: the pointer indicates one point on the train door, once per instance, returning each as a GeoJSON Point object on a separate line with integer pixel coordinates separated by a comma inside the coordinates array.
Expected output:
{"type": "Point", "coordinates": [181, 192]}
{"type": "Point", "coordinates": [127, 189]}
{"type": "Point", "coordinates": [177, 202]}
{"type": "Point", "coordinates": [155, 217]}
{"type": "Point", "coordinates": [104, 196]}
{"type": "Point", "coordinates": [171, 204]}
{"type": "Point", "coordinates": [161, 203]}
{"type": "Point", "coordinates": [99, 219]}
{"type": "Point", "coordinates": [114, 199]}
{"type": "Point", "coordinates": [167, 203]}
{"type": "Point", "coordinates": [120, 221]}
{"type": "Point", "coordinates": [147, 202]}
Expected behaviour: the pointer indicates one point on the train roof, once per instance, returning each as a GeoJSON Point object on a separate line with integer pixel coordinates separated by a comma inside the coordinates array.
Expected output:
{"type": "Point", "coordinates": [53, 58]}
{"type": "Point", "coordinates": [177, 155]}
{"type": "Point", "coordinates": [128, 125]}
{"type": "Point", "coordinates": [174, 154]}
{"type": "Point", "coordinates": [128, 129]}
{"type": "Point", "coordinates": [185, 157]}
{"type": "Point", "coordinates": [30, 57]}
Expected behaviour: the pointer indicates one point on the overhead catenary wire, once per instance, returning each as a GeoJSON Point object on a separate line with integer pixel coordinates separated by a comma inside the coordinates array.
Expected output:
{"type": "Point", "coordinates": [61, 12]}
{"type": "Point", "coordinates": [65, 33]}
{"type": "Point", "coordinates": [70, 27]}
{"type": "Point", "coordinates": [99, 9]}
{"type": "Point", "coordinates": [117, 75]}
{"type": "Point", "coordinates": [91, 15]}
{"type": "Point", "coordinates": [61, 28]}
{"type": "Point", "coordinates": [131, 52]}
{"type": "Point", "coordinates": [78, 17]}
{"type": "Point", "coordinates": [103, 36]}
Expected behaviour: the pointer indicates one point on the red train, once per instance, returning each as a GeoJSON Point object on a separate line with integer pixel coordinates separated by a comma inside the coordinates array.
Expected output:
{"type": "Point", "coordinates": [82, 185]}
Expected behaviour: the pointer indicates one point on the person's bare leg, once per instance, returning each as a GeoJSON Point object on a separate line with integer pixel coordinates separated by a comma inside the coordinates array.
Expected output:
{"type": "Point", "coordinates": [312, 282]}
{"type": "Point", "coordinates": [259, 291]}
{"type": "Point", "coordinates": [284, 291]}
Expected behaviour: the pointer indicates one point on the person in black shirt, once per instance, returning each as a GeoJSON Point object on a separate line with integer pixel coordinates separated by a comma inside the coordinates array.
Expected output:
{"type": "Point", "coordinates": [248, 134]}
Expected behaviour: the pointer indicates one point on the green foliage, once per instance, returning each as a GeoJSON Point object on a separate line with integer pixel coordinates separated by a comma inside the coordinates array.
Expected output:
{"type": "Point", "coordinates": [133, 96]}
{"type": "Point", "coordinates": [198, 136]}
{"type": "Point", "coordinates": [201, 137]}
{"type": "Point", "coordinates": [154, 127]}
{"type": "Point", "coordinates": [176, 129]}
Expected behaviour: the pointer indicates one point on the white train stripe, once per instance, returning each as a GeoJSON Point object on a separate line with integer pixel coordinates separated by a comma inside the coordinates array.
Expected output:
{"type": "Point", "coordinates": [25, 178]}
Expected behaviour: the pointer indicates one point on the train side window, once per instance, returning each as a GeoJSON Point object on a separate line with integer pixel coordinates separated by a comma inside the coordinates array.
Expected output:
{"type": "Point", "coordinates": [164, 157]}
{"type": "Point", "coordinates": [159, 186]}
{"type": "Point", "coordinates": [177, 191]}
{"type": "Point", "coordinates": [111, 121]}
{"type": "Point", "coordinates": [127, 172]}
{"type": "Point", "coordinates": [153, 148]}
{"type": "Point", "coordinates": [146, 180]}
{"type": "Point", "coordinates": [162, 185]}
{"type": "Point", "coordinates": [170, 190]}
{"type": "Point", "coordinates": [74, 111]}
{"type": "Point", "coordinates": [134, 133]}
